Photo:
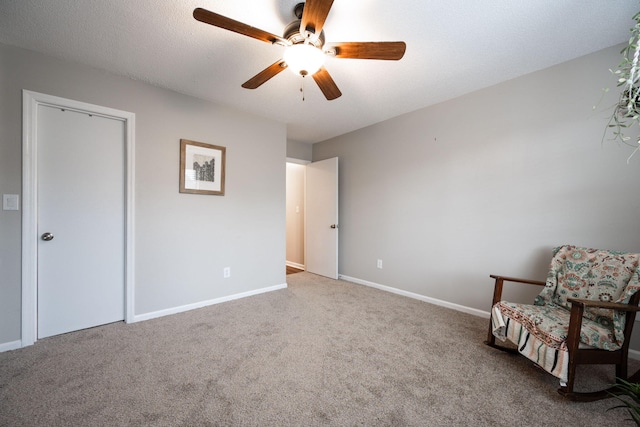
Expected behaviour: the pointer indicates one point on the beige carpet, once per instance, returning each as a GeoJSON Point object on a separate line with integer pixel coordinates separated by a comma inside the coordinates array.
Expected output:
{"type": "Point", "coordinates": [321, 352]}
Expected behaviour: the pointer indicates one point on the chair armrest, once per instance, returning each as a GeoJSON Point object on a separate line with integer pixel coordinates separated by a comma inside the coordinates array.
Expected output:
{"type": "Point", "coordinates": [577, 312]}
{"type": "Point", "coordinates": [515, 279]}
{"type": "Point", "coordinates": [497, 296]}
{"type": "Point", "coordinates": [587, 303]}
{"type": "Point", "coordinates": [497, 289]}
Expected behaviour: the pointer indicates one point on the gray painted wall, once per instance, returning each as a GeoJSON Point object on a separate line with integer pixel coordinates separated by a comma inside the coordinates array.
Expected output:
{"type": "Point", "coordinates": [487, 184]}
{"type": "Point", "coordinates": [299, 150]}
{"type": "Point", "coordinates": [182, 241]}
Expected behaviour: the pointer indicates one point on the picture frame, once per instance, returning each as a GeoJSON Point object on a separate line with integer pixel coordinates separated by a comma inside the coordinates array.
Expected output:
{"type": "Point", "coordinates": [202, 168]}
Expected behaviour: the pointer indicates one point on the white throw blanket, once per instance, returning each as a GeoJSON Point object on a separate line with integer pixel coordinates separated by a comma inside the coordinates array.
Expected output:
{"type": "Point", "coordinates": [498, 325]}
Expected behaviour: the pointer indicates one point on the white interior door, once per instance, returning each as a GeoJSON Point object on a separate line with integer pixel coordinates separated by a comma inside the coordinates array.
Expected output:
{"type": "Point", "coordinates": [321, 222]}
{"type": "Point", "coordinates": [81, 203]}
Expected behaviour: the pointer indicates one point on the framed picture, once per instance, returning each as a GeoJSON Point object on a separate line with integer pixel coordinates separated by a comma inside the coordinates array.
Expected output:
{"type": "Point", "coordinates": [201, 168]}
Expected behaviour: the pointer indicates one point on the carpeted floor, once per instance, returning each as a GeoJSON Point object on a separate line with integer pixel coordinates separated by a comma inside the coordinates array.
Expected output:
{"type": "Point", "coordinates": [321, 352]}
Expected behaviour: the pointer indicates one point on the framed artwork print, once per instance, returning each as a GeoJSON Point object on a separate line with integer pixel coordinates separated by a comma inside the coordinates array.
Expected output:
{"type": "Point", "coordinates": [201, 168]}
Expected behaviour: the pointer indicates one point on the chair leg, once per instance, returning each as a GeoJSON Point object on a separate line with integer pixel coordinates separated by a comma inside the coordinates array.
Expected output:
{"type": "Point", "coordinates": [491, 340]}
{"type": "Point", "coordinates": [567, 390]}
{"type": "Point", "coordinates": [497, 295]}
{"type": "Point", "coordinates": [621, 371]}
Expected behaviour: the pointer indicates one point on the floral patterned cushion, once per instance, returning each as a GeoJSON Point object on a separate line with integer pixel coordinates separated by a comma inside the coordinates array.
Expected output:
{"type": "Point", "coordinates": [550, 324]}
{"type": "Point", "coordinates": [592, 274]}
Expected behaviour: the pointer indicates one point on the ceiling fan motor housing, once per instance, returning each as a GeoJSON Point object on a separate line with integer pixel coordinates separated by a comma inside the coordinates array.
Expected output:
{"type": "Point", "coordinates": [292, 33]}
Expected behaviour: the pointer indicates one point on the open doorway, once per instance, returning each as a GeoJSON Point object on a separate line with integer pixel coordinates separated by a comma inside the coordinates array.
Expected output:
{"type": "Point", "coordinates": [295, 223]}
{"type": "Point", "coordinates": [312, 216]}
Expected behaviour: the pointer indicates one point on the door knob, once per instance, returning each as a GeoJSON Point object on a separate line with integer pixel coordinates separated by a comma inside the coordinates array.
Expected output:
{"type": "Point", "coordinates": [334, 225]}
{"type": "Point", "coordinates": [47, 236]}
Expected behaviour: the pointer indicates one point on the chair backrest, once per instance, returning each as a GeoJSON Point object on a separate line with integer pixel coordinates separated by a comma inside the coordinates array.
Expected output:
{"type": "Point", "coordinates": [593, 274]}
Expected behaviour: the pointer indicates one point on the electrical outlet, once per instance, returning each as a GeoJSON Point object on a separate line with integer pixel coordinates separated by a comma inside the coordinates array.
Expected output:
{"type": "Point", "coordinates": [379, 263]}
{"type": "Point", "coordinates": [227, 272]}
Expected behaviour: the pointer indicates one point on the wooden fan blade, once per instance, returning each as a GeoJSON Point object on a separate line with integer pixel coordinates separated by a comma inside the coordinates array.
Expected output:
{"type": "Point", "coordinates": [313, 16]}
{"type": "Point", "coordinates": [264, 75]}
{"type": "Point", "coordinates": [326, 84]}
{"type": "Point", "coordinates": [220, 21]}
{"type": "Point", "coordinates": [368, 50]}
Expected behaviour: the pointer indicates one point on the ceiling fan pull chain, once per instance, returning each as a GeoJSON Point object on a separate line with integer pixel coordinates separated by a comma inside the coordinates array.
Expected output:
{"type": "Point", "coordinates": [302, 88]}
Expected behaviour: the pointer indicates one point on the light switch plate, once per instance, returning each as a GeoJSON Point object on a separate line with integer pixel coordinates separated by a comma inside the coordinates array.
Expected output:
{"type": "Point", "coordinates": [10, 202]}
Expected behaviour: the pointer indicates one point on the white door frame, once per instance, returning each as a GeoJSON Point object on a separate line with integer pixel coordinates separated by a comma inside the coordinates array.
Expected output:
{"type": "Point", "coordinates": [30, 102]}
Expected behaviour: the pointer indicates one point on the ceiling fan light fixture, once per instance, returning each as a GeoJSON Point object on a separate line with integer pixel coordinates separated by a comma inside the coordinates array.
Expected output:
{"type": "Point", "coordinates": [304, 45]}
{"type": "Point", "coordinates": [303, 59]}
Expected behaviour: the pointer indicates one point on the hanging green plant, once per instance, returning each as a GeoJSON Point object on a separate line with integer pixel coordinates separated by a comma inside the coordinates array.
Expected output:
{"type": "Point", "coordinates": [627, 111]}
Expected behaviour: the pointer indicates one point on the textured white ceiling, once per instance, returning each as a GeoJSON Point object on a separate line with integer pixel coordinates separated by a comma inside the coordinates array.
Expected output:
{"type": "Point", "coordinates": [453, 47]}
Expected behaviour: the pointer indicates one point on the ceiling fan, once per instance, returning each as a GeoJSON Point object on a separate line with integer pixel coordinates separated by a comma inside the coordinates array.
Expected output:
{"type": "Point", "coordinates": [305, 45]}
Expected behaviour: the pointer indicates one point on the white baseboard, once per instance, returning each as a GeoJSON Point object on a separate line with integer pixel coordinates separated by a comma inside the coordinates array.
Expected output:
{"type": "Point", "coordinates": [633, 354]}
{"type": "Point", "coordinates": [413, 295]}
{"type": "Point", "coordinates": [183, 308]}
{"type": "Point", "coordinates": [11, 345]}
{"type": "Point", "coordinates": [296, 265]}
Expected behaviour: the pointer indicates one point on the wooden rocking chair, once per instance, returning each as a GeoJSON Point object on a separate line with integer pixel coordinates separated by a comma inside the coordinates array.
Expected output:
{"type": "Point", "coordinates": [584, 315]}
